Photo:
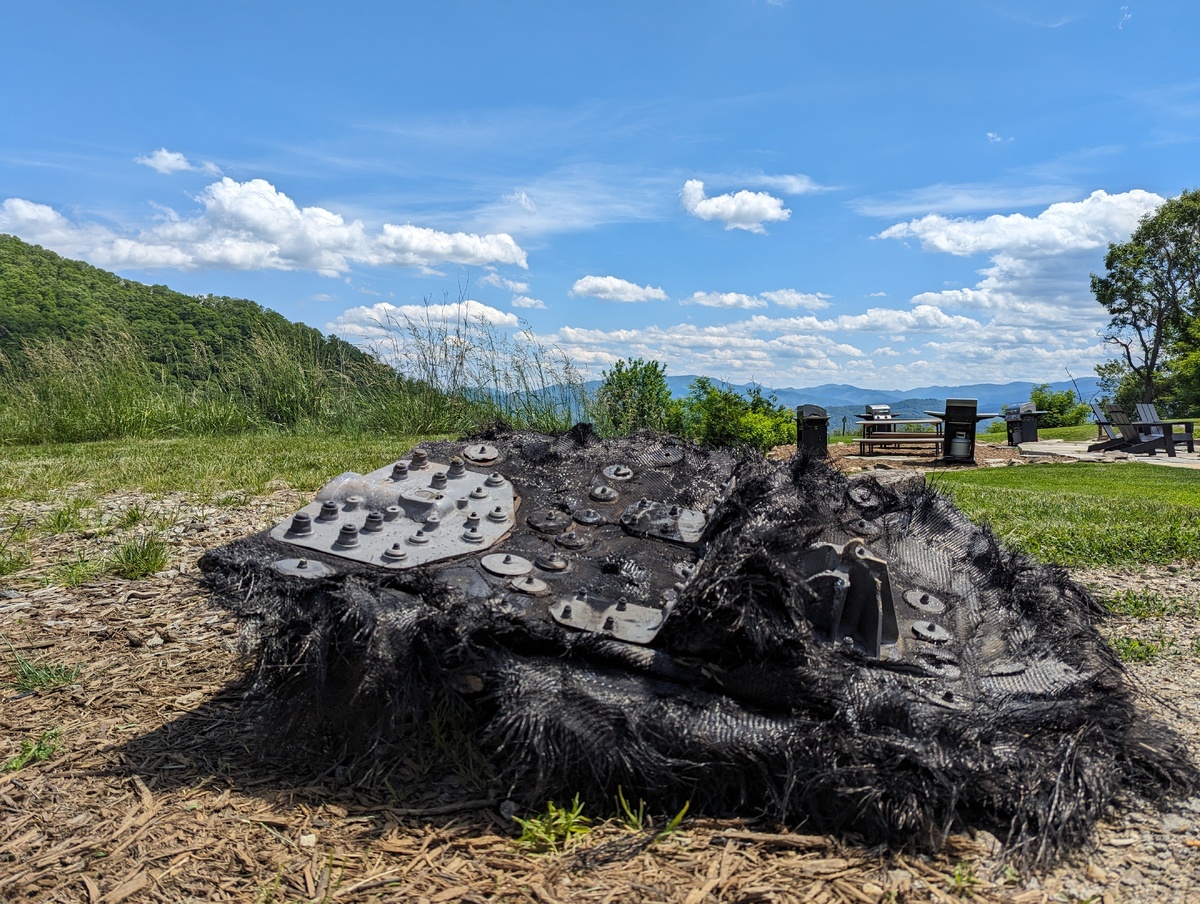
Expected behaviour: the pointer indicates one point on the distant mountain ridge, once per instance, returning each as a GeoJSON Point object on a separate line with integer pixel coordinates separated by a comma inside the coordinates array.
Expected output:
{"type": "Point", "coordinates": [844, 400]}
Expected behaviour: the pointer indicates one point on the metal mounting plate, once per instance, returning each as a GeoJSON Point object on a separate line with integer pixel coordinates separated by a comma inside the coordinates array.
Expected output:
{"type": "Point", "coordinates": [401, 517]}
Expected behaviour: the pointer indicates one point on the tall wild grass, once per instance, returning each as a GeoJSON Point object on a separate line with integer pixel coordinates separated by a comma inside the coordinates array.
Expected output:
{"type": "Point", "coordinates": [433, 375]}
{"type": "Point", "coordinates": [482, 373]}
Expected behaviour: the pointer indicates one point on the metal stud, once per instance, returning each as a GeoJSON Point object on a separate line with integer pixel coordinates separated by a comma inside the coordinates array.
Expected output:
{"type": "Point", "coordinates": [588, 516]}
{"type": "Point", "coordinates": [479, 493]}
{"type": "Point", "coordinates": [420, 459]}
{"type": "Point", "coordinates": [551, 563]}
{"type": "Point", "coordinates": [925, 602]}
{"type": "Point", "coordinates": [497, 515]}
{"type": "Point", "coordinates": [400, 470]}
{"type": "Point", "coordinates": [481, 454]}
{"type": "Point", "coordinates": [439, 480]}
{"type": "Point", "coordinates": [348, 535]}
{"type": "Point", "coordinates": [495, 479]}
{"type": "Point", "coordinates": [506, 564]}
{"type": "Point", "coordinates": [530, 584]}
{"type": "Point", "coordinates": [457, 467]}
{"type": "Point", "coordinates": [329, 510]}
{"type": "Point", "coordinates": [302, 523]}
{"type": "Point", "coordinates": [395, 553]}
{"type": "Point", "coordinates": [374, 522]}
{"type": "Point", "coordinates": [571, 540]}
{"type": "Point", "coordinates": [618, 472]}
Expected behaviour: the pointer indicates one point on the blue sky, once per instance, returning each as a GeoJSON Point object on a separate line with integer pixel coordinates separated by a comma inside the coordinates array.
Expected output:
{"type": "Point", "coordinates": [885, 194]}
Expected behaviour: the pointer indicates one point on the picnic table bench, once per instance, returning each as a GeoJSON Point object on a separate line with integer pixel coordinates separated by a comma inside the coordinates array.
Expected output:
{"type": "Point", "coordinates": [880, 433]}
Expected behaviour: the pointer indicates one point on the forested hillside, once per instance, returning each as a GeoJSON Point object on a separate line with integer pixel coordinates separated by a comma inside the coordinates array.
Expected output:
{"type": "Point", "coordinates": [45, 297]}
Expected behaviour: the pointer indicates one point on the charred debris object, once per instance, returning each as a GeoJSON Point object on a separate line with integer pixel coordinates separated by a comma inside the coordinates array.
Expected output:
{"type": "Point", "coordinates": [755, 637]}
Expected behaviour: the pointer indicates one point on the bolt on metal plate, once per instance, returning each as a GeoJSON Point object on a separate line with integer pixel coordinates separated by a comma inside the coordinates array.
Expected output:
{"type": "Point", "coordinates": [664, 521]}
{"type": "Point", "coordinates": [503, 564]}
{"type": "Point", "coordinates": [930, 631]}
{"type": "Point", "coordinates": [481, 454]}
{"type": "Point", "coordinates": [618, 472]}
{"type": "Point", "coordinates": [616, 618]}
{"type": "Point", "coordinates": [302, 568]}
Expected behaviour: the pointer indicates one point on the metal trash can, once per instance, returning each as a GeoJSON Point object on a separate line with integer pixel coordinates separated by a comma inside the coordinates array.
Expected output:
{"type": "Point", "coordinates": [959, 443]}
{"type": "Point", "coordinates": [812, 430]}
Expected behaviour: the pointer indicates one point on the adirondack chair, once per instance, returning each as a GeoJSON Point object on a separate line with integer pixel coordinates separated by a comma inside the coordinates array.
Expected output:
{"type": "Point", "coordinates": [1151, 424]}
{"type": "Point", "coordinates": [1114, 440]}
{"type": "Point", "coordinates": [1133, 441]}
{"type": "Point", "coordinates": [1146, 413]}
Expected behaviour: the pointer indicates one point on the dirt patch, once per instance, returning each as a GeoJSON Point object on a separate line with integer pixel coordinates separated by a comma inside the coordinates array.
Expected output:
{"type": "Point", "coordinates": [155, 791]}
{"type": "Point", "coordinates": [846, 457]}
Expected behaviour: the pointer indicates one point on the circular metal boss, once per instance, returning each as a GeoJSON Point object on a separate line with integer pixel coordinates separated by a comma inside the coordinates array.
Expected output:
{"type": "Point", "coordinates": [482, 454]}
{"type": "Point", "coordinates": [930, 631]}
{"type": "Point", "coordinates": [505, 564]}
{"type": "Point", "coordinates": [925, 602]}
{"type": "Point", "coordinates": [302, 568]}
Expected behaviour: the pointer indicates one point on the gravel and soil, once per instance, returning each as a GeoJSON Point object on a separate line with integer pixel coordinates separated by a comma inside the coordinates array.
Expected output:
{"type": "Point", "coordinates": [156, 791]}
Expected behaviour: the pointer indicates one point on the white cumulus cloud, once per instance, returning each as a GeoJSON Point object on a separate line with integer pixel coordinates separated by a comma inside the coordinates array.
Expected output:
{"type": "Point", "coordinates": [790, 298]}
{"type": "Point", "coordinates": [168, 162]}
{"type": "Point", "coordinates": [383, 322]}
{"type": "Point", "coordinates": [254, 226]}
{"type": "Point", "coordinates": [747, 210]}
{"type": "Point", "coordinates": [725, 300]}
{"type": "Point", "coordinates": [1068, 225]}
{"type": "Point", "coordinates": [611, 288]}
{"type": "Point", "coordinates": [784, 298]}
{"type": "Point", "coordinates": [492, 278]}
{"type": "Point", "coordinates": [524, 301]}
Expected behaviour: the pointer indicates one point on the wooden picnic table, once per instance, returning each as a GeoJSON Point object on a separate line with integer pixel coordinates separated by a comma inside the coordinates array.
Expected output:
{"type": "Point", "coordinates": [874, 437]}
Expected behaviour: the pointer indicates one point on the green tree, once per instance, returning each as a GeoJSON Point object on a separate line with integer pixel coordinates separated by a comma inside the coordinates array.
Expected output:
{"type": "Point", "coordinates": [634, 395]}
{"type": "Point", "coordinates": [715, 416]}
{"type": "Point", "coordinates": [1151, 289]}
{"type": "Point", "coordinates": [1062, 409]}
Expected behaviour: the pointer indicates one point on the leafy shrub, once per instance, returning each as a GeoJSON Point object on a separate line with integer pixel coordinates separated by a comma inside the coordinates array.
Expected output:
{"type": "Point", "coordinates": [1062, 408]}
{"type": "Point", "coordinates": [717, 417]}
{"type": "Point", "coordinates": [633, 396]}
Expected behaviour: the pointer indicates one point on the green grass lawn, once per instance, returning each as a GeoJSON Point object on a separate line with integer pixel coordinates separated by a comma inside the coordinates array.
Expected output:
{"type": "Point", "coordinates": [1083, 514]}
{"type": "Point", "coordinates": [1086, 514]}
{"type": "Point", "coordinates": [204, 467]}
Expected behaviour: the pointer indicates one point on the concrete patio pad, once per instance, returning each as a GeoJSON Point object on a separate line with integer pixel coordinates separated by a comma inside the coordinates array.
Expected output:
{"type": "Point", "coordinates": [1079, 451]}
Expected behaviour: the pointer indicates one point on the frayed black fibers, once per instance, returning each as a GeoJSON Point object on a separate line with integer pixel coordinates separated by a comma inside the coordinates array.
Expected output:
{"type": "Point", "coordinates": [998, 706]}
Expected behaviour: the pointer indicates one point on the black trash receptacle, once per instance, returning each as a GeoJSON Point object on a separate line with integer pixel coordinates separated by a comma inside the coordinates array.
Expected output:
{"type": "Point", "coordinates": [812, 429]}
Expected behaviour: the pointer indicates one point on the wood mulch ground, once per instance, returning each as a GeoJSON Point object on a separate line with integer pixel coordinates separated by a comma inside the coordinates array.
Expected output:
{"type": "Point", "coordinates": [156, 791]}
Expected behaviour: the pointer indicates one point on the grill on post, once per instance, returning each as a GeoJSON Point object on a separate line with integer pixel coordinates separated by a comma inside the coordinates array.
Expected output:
{"type": "Point", "coordinates": [878, 413]}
